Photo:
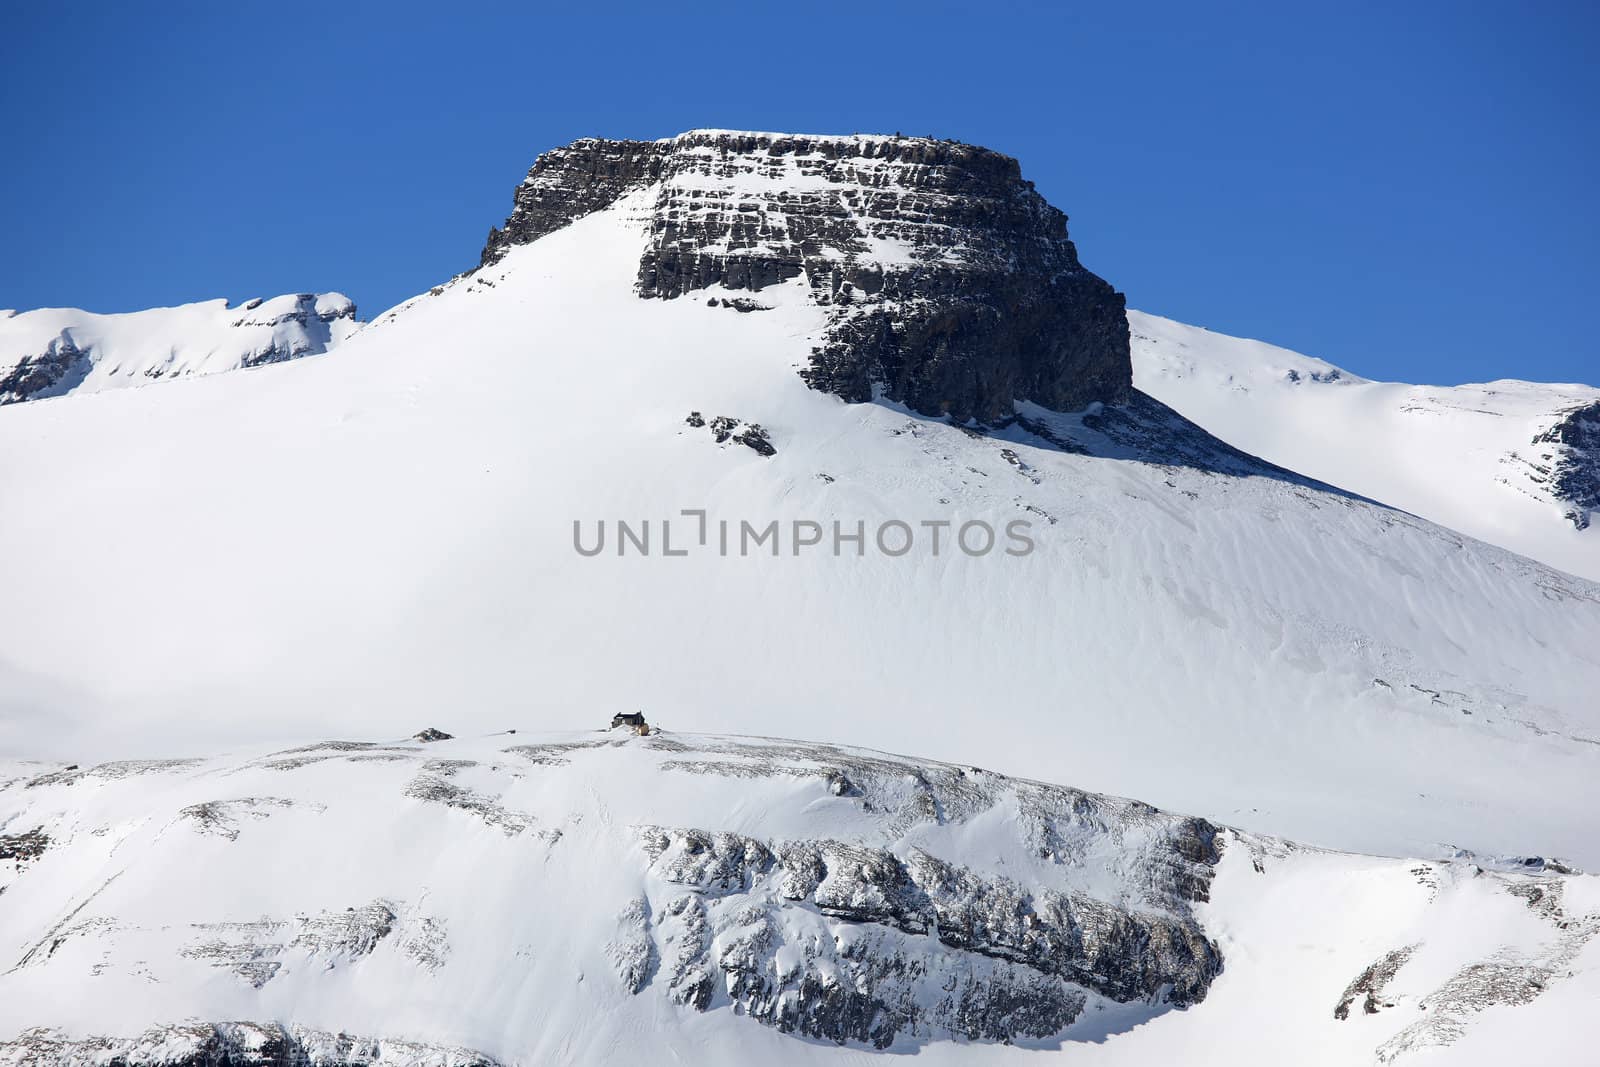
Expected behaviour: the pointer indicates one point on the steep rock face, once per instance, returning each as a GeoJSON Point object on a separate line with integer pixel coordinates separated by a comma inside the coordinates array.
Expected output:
{"type": "Point", "coordinates": [952, 285]}
{"type": "Point", "coordinates": [61, 364]}
{"type": "Point", "coordinates": [1570, 467]}
{"type": "Point", "coordinates": [568, 183]}
{"type": "Point", "coordinates": [1011, 961]}
{"type": "Point", "coordinates": [848, 941]}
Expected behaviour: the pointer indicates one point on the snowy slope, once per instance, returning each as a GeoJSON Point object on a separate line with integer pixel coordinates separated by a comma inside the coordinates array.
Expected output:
{"type": "Point", "coordinates": [593, 898]}
{"type": "Point", "coordinates": [386, 536]}
{"type": "Point", "coordinates": [1476, 458]}
{"type": "Point", "coordinates": [57, 351]}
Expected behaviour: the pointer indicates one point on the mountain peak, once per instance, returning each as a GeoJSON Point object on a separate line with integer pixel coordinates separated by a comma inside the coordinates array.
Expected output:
{"type": "Point", "coordinates": [951, 284]}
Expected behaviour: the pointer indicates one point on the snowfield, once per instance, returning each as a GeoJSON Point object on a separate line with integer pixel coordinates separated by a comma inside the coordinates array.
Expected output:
{"type": "Point", "coordinates": [532, 498]}
{"type": "Point", "coordinates": [595, 897]}
{"type": "Point", "coordinates": [386, 536]}
{"type": "Point", "coordinates": [1467, 456]}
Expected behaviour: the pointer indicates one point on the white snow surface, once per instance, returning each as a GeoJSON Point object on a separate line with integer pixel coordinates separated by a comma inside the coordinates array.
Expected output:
{"type": "Point", "coordinates": [207, 337]}
{"type": "Point", "coordinates": [1462, 456]}
{"type": "Point", "coordinates": [320, 885]}
{"type": "Point", "coordinates": [385, 537]}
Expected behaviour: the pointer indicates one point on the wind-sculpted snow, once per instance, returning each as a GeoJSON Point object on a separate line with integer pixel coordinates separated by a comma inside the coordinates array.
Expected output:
{"type": "Point", "coordinates": [1511, 975]}
{"type": "Point", "coordinates": [599, 897]}
{"type": "Point", "coordinates": [59, 351]}
{"type": "Point", "coordinates": [1514, 463]}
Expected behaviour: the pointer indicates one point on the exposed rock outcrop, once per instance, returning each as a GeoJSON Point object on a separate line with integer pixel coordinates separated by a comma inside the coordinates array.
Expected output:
{"type": "Point", "coordinates": [1369, 984]}
{"type": "Point", "coordinates": [54, 369]}
{"type": "Point", "coordinates": [725, 428]}
{"type": "Point", "coordinates": [1511, 976]}
{"type": "Point", "coordinates": [1018, 958]}
{"type": "Point", "coordinates": [568, 183]}
{"type": "Point", "coordinates": [952, 286]}
{"type": "Point", "coordinates": [232, 1044]}
{"type": "Point", "coordinates": [1570, 470]}
{"type": "Point", "coordinates": [852, 942]}
{"type": "Point", "coordinates": [222, 818]}
{"type": "Point", "coordinates": [22, 849]}
{"type": "Point", "coordinates": [314, 315]}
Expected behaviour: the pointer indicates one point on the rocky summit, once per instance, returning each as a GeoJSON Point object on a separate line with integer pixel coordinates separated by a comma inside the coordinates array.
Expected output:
{"type": "Point", "coordinates": [951, 284]}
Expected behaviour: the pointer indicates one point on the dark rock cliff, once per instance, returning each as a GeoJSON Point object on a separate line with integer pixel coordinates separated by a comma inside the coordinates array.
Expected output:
{"type": "Point", "coordinates": [60, 364]}
{"type": "Point", "coordinates": [952, 285]}
{"type": "Point", "coordinates": [568, 183]}
{"type": "Point", "coordinates": [1572, 462]}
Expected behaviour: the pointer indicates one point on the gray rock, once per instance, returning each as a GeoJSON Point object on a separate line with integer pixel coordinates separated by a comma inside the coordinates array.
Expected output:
{"type": "Point", "coordinates": [906, 947]}
{"type": "Point", "coordinates": [725, 428]}
{"type": "Point", "coordinates": [56, 369]}
{"type": "Point", "coordinates": [433, 784]}
{"type": "Point", "coordinates": [952, 285]}
{"type": "Point", "coordinates": [231, 1044]}
{"type": "Point", "coordinates": [23, 848]}
{"type": "Point", "coordinates": [849, 942]}
{"type": "Point", "coordinates": [1370, 983]}
{"type": "Point", "coordinates": [1571, 462]}
{"type": "Point", "coordinates": [568, 183]}
{"type": "Point", "coordinates": [632, 951]}
{"type": "Point", "coordinates": [222, 817]}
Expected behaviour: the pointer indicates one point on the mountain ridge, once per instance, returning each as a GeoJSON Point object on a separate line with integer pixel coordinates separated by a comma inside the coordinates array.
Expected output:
{"type": "Point", "coordinates": [1511, 462]}
{"type": "Point", "coordinates": [1311, 629]}
{"type": "Point", "coordinates": [49, 352]}
{"type": "Point", "coordinates": [802, 897]}
{"type": "Point", "coordinates": [391, 535]}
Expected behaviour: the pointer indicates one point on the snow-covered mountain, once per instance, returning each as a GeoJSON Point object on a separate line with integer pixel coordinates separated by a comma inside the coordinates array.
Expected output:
{"type": "Point", "coordinates": [873, 433]}
{"type": "Point", "coordinates": [593, 898]}
{"type": "Point", "coordinates": [57, 351]}
{"type": "Point", "coordinates": [1514, 463]}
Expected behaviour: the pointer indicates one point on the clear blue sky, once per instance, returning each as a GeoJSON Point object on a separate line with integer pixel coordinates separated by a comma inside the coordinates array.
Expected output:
{"type": "Point", "coordinates": [1407, 189]}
